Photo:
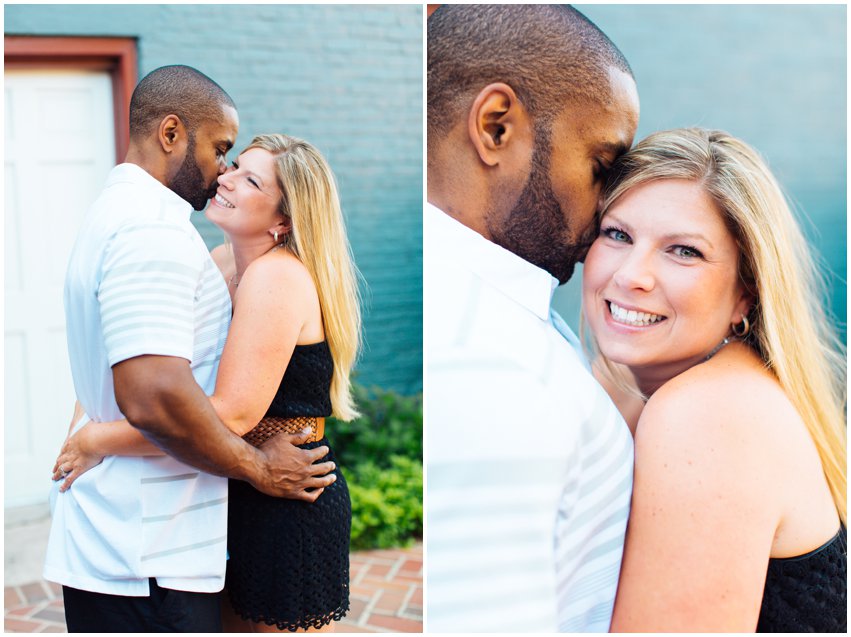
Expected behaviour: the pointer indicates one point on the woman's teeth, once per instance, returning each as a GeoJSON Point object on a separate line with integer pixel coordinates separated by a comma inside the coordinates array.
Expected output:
{"type": "Point", "coordinates": [223, 202]}
{"type": "Point", "coordinates": [631, 317]}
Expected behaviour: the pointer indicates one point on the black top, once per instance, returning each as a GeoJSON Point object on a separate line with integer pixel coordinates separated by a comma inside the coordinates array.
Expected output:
{"type": "Point", "coordinates": [306, 386]}
{"type": "Point", "coordinates": [807, 593]}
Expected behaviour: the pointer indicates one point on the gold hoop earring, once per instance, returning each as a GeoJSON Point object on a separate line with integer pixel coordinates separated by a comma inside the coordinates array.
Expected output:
{"type": "Point", "coordinates": [742, 329]}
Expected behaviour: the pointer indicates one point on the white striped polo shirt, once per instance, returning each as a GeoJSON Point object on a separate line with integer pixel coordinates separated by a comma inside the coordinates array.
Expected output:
{"type": "Point", "coordinates": [140, 281]}
{"type": "Point", "coordinates": [529, 463]}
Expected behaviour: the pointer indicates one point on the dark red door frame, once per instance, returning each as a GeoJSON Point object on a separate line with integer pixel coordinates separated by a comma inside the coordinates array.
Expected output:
{"type": "Point", "coordinates": [117, 56]}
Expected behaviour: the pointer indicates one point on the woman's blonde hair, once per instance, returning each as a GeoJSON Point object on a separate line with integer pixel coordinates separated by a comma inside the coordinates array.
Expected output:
{"type": "Point", "coordinates": [318, 238]}
{"type": "Point", "coordinates": [789, 327]}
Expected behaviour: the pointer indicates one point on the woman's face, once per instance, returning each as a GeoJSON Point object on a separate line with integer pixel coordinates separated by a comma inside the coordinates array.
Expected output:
{"type": "Point", "coordinates": [660, 283]}
{"type": "Point", "coordinates": [247, 201]}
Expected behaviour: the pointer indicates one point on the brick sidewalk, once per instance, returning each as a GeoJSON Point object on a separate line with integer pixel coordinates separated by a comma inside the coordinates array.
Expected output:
{"type": "Point", "coordinates": [386, 596]}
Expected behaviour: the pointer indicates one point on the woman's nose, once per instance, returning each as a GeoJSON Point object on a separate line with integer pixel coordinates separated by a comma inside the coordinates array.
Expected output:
{"type": "Point", "coordinates": [636, 272]}
{"type": "Point", "coordinates": [224, 178]}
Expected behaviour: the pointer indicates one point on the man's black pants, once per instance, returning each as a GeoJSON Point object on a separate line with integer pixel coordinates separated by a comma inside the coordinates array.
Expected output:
{"type": "Point", "coordinates": [164, 611]}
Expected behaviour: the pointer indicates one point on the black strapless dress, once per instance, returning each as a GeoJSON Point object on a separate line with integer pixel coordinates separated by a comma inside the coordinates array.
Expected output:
{"type": "Point", "coordinates": [289, 560]}
{"type": "Point", "coordinates": [807, 593]}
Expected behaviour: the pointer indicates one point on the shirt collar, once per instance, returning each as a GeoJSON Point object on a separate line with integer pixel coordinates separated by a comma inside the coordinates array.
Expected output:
{"type": "Point", "coordinates": [526, 284]}
{"type": "Point", "coordinates": [135, 174]}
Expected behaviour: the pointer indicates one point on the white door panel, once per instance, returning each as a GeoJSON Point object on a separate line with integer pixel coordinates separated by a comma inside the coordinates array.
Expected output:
{"type": "Point", "coordinates": [59, 148]}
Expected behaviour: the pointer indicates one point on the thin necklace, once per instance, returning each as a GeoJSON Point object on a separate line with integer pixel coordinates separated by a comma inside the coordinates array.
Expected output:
{"type": "Point", "coordinates": [236, 284]}
{"type": "Point", "coordinates": [718, 348]}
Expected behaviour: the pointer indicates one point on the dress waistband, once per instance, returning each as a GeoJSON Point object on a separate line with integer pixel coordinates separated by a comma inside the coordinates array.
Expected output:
{"type": "Point", "coordinates": [272, 425]}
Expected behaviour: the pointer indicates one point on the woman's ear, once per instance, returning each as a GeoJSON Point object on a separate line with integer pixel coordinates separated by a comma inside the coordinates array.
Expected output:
{"type": "Point", "coordinates": [283, 228]}
{"type": "Point", "coordinates": [496, 119]}
{"type": "Point", "coordinates": [742, 307]}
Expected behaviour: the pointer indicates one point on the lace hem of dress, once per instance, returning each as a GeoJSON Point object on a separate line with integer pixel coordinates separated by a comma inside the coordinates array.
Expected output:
{"type": "Point", "coordinates": [303, 623]}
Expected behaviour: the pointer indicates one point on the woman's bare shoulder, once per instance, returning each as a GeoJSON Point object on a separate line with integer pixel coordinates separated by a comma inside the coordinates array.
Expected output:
{"type": "Point", "coordinates": [723, 416]}
{"type": "Point", "coordinates": [278, 269]}
{"type": "Point", "coordinates": [730, 391]}
{"type": "Point", "coordinates": [281, 286]}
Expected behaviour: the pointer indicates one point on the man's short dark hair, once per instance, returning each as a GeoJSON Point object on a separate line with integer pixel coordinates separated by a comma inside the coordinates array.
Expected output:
{"type": "Point", "coordinates": [549, 54]}
{"type": "Point", "coordinates": [179, 90]}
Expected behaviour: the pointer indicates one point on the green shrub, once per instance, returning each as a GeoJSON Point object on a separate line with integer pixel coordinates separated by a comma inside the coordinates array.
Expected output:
{"type": "Point", "coordinates": [387, 504]}
{"type": "Point", "coordinates": [389, 424]}
{"type": "Point", "coordinates": [380, 454]}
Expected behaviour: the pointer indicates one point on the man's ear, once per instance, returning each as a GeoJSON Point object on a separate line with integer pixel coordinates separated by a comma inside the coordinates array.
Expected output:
{"type": "Point", "coordinates": [171, 134]}
{"type": "Point", "coordinates": [495, 120]}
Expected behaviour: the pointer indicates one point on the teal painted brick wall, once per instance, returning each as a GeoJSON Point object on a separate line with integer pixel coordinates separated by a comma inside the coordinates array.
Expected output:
{"type": "Point", "coordinates": [774, 75]}
{"type": "Point", "coordinates": [347, 78]}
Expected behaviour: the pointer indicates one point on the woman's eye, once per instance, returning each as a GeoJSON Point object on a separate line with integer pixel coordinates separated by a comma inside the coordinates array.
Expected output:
{"type": "Point", "coordinates": [253, 183]}
{"type": "Point", "coordinates": [687, 252]}
{"type": "Point", "coordinates": [615, 234]}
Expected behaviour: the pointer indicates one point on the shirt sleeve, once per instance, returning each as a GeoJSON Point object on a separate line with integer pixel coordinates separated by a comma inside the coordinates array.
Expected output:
{"type": "Point", "coordinates": [150, 275]}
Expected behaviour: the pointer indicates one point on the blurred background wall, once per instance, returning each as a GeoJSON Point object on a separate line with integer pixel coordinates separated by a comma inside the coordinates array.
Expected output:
{"type": "Point", "coordinates": [348, 78]}
{"type": "Point", "coordinates": [773, 75]}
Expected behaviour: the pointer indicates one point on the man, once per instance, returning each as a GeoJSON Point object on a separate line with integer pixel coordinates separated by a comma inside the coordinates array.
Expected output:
{"type": "Point", "coordinates": [139, 543]}
{"type": "Point", "coordinates": [530, 465]}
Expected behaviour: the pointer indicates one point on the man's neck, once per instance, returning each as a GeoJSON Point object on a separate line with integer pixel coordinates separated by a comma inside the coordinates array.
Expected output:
{"type": "Point", "coordinates": [143, 160]}
{"type": "Point", "coordinates": [461, 213]}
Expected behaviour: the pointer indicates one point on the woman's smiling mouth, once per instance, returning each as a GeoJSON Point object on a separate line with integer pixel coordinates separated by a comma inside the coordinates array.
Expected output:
{"type": "Point", "coordinates": [224, 203]}
{"type": "Point", "coordinates": [634, 318]}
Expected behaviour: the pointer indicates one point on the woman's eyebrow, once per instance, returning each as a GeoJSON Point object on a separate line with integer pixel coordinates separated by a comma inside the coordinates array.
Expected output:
{"type": "Point", "coordinates": [691, 236]}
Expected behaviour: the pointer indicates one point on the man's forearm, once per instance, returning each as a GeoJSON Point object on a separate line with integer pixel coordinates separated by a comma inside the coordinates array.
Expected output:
{"type": "Point", "coordinates": [159, 396]}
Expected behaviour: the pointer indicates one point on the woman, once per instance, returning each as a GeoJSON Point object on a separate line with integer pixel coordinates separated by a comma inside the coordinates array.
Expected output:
{"type": "Point", "coordinates": [291, 345]}
{"type": "Point", "coordinates": [701, 287]}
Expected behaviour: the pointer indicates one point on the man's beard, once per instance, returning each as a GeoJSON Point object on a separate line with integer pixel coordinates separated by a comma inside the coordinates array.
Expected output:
{"type": "Point", "coordinates": [189, 184]}
{"type": "Point", "coordinates": [536, 229]}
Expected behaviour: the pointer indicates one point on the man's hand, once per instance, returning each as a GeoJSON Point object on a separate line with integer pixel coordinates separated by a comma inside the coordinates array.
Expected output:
{"type": "Point", "coordinates": [290, 471]}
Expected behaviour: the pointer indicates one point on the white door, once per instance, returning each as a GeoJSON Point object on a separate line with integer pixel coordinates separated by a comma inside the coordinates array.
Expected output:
{"type": "Point", "coordinates": [59, 148]}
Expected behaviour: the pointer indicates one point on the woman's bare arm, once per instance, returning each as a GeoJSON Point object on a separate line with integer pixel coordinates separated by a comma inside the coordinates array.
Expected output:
{"type": "Point", "coordinates": [272, 307]}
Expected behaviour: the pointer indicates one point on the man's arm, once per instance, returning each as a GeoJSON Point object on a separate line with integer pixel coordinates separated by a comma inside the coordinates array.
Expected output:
{"type": "Point", "coordinates": [160, 397]}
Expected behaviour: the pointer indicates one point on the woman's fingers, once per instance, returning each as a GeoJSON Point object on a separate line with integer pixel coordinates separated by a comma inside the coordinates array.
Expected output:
{"type": "Point", "coordinates": [61, 468]}
{"type": "Point", "coordinates": [72, 466]}
{"type": "Point", "coordinates": [61, 459]}
{"type": "Point", "coordinates": [69, 478]}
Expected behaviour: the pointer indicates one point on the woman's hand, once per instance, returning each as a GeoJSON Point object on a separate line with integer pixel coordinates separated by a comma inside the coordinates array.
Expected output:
{"type": "Point", "coordinates": [78, 455]}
